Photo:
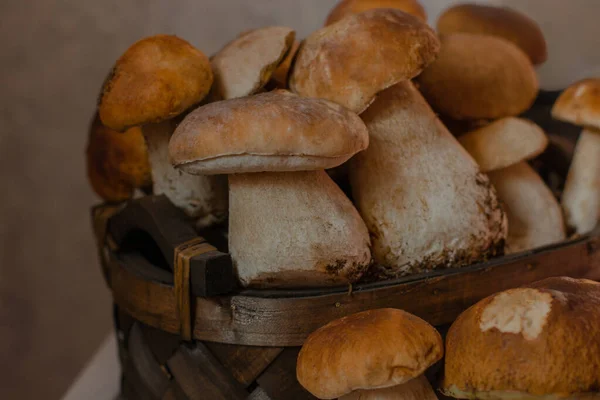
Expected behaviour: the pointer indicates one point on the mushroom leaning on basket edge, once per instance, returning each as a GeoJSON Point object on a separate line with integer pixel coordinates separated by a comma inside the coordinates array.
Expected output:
{"type": "Point", "coordinates": [502, 149]}
{"type": "Point", "coordinates": [154, 81]}
{"type": "Point", "coordinates": [580, 105]}
{"type": "Point", "coordinates": [372, 355]}
{"type": "Point", "coordinates": [425, 201]}
{"type": "Point", "coordinates": [532, 343]}
{"type": "Point", "coordinates": [290, 225]}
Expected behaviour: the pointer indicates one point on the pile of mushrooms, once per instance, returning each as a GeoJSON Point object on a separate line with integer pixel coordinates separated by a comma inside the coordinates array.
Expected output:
{"type": "Point", "coordinates": [254, 135]}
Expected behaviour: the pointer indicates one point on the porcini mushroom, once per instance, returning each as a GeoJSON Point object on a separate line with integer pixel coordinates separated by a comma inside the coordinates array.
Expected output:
{"type": "Point", "coordinates": [580, 105]}
{"type": "Point", "coordinates": [479, 77]}
{"type": "Point", "coordinates": [501, 149]}
{"type": "Point", "coordinates": [502, 22]}
{"type": "Point", "coordinates": [155, 80]}
{"type": "Point", "coordinates": [289, 224]}
{"type": "Point", "coordinates": [349, 7]}
{"type": "Point", "coordinates": [349, 62]}
{"type": "Point", "coordinates": [117, 163]}
{"type": "Point", "coordinates": [532, 343]}
{"type": "Point", "coordinates": [376, 355]}
{"type": "Point", "coordinates": [425, 201]}
{"type": "Point", "coordinates": [246, 64]}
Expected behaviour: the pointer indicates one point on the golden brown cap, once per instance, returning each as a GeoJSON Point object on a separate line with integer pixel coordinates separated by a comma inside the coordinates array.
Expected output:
{"type": "Point", "coordinates": [349, 7]}
{"type": "Point", "coordinates": [274, 131]}
{"type": "Point", "coordinates": [156, 79]}
{"type": "Point", "coordinates": [352, 60]}
{"type": "Point", "coordinates": [368, 350]}
{"type": "Point", "coordinates": [246, 64]}
{"type": "Point", "coordinates": [117, 163]}
{"type": "Point", "coordinates": [282, 73]}
{"type": "Point", "coordinates": [503, 22]}
{"type": "Point", "coordinates": [540, 340]}
{"type": "Point", "coordinates": [504, 142]}
{"type": "Point", "coordinates": [580, 104]}
{"type": "Point", "coordinates": [479, 77]}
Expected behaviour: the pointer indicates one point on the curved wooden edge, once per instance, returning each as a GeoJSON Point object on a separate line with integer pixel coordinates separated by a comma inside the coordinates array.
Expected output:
{"type": "Point", "coordinates": [287, 321]}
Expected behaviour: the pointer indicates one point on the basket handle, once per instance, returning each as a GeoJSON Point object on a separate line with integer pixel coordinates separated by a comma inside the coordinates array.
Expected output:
{"type": "Point", "coordinates": [210, 271]}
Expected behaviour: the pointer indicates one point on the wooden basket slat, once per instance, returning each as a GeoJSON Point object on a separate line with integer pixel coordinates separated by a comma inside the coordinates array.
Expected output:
{"type": "Point", "coordinates": [259, 394]}
{"type": "Point", "coordinates": [245, 363]}
{"type": "Point", "coordinates": [148, 368]}
{"type": "Point", "coordinates": [162, 344]}
{"type": "Point", "coordinates": [279, 379]}
{"type": "Point", "coordinates": [201, 376]}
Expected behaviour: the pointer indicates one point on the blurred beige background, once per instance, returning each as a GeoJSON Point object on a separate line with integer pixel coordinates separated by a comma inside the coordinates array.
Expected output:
{"type": "Point", "coordinates": [54, 307]}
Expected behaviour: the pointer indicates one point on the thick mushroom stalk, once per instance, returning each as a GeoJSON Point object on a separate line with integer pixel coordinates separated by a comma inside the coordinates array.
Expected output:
{"type": "Point", "coordinates": [581, 197]}
{"type": "Point", "coordinates": [295, 229]}
{"type": "Point", "coordinates": [424, 199]}
{"type": "Point", "coordinates": [501, 149]}
{"type": "Point", "coordinates": [415, 389]}
{"type": "Point", "coordinates": [199, 196]}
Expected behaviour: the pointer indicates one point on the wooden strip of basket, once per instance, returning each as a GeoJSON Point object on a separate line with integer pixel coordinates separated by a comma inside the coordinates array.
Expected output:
{"type": "Point", "coordinates": [288, 319]}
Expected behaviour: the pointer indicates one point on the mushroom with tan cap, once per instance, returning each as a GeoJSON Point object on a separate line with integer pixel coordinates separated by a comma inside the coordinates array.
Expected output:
{"type": "Point", "coordinates": [349, 7]}
{"type": "Point", "coordinates": [289, 223]}
{"type": "Point", "coordinates": [117, 162]}
{"type": "Point", "coordinates": [246, 64]}
{"type": "Point", "coordinates": [502, 149]}
{"type": "Point", "coordinates": [538, 342]}
{"type": "Point", "coordinates": [502, 22]}
{"type": "Point", "coordinates": [424, 199]}
{"type": "Point", "coordinates": [479, 77]}
{"type": "Point", "coordinates": [377, 354]}
{"type": "Point", "coordinates": [349, 62]}
{"type": "Point", "coordinates": [580, 105]}
{"type": "Point", "coordinates": [154, 81]}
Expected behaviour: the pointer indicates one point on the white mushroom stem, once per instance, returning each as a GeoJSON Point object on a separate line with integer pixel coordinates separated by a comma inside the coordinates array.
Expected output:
{"type": "Point", "coordinates": [415, 389]}
{"type": "Point", "coordinates": [581, 197]}
{"type": "Point", "coordinates": [294, 229]}
{"type": "Point", "coordinates": [534, 216]}
{"type": "Point", "coordinates": [201, 197]}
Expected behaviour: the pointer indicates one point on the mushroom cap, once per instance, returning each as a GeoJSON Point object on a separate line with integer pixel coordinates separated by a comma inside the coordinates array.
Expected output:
{"type": "Point", "coordinates": [536, 341]}
{"type": "Point", "coordinates": [503, 22]}
{"type": "Point", "coordinates": [504, 142]}
{"type": "Point", "coordinates": [117, 163]}
{"type": "Point", "coordinates": [580, 104]}
{"type": "Point", "coordinates": [246, 64]}
{"type": "Point", "coordinates": [349, 7]}
{"type": "Point", "coordinates": [352, 60]}
{"type": "Point", "coordinates": [274, 131]}
{"type": "Point", "coordinates": [369, 350]}
{"type": "Point", "coordinates": [479, 77]}
{"type": "Point", "coordinates": [156, 79]}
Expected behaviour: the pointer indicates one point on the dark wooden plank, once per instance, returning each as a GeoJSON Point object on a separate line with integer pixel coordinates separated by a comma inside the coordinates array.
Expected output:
{"type": "Point", "coordinates": [134, 386]}
{"type": "Point", "coordinates": [211, 273]}
{"type": "Point", "coordinates": [244, 363]}
{"type": "Point", "coordinates": [201, 376]}
{"type": "Point", "coordinates": [162, 344]}
{"type": "Point", "coordinates": [142, 359]}
{"type": "Point", "coordinates": [279, 379]}
{"type": "Point", "coordinates": [439, 300]}
{"type": "Point", "coordinates": [259, 394]}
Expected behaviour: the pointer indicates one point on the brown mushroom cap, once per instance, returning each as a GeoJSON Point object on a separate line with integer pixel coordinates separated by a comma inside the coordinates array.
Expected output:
{"type": "Point", "coordinates": [580, 104]}
{"type": "Point", "coordinates": [369, 350]}
{"type": "Point", "coordinates": [246, 64]}
{"type": "Point", "coordinates": [349, 7]}
{"type": "Point", "coordinates": [352, 60]}
{"type": "Point", "coordinates": [274, 131]}
{"type": "Point", "coordinates": [504, 142]}
{"type": "Point", "coordinates": [156, 79]}
{"type": "Point", "coordinates": [479, 77]}
{"type": "Point", "coordinates": [503, 22]}
{"type": "Point", "coordinates": [117, 163]}
{"type": "Point", "coordinates": [536, 341]}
